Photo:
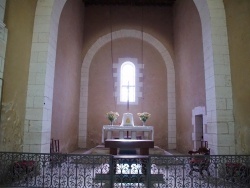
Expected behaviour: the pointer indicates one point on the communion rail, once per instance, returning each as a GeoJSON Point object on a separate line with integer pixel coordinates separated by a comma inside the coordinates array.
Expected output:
{"type": "Point", "coordinates": [106, 171]}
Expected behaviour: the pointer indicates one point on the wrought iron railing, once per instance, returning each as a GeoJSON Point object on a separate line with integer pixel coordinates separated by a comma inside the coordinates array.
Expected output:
{"type": "Point", "coordinates": [106, 171]}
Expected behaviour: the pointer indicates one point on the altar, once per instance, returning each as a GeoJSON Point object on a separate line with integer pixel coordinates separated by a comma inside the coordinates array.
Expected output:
{"type": "Point", "coordinates": [109, 130]}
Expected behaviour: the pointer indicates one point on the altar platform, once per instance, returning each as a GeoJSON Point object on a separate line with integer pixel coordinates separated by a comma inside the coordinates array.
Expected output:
{"type": "Point", "coordinates": [111, 131]}
{"type": "Point", "coordinates": [101, 150]}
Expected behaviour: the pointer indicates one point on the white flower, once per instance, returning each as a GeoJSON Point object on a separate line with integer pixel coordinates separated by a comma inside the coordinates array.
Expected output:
{"type": "Point", "coordinates": [112, 115]}
{"type": "Point", "coordinates": [144, 116]}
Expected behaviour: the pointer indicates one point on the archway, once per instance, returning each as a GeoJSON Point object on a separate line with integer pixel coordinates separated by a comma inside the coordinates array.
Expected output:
{"type": "Point", "coordinates": [216, 61]}
{"type": "Point", "coordinates": [170, 81]}
{"type": "Point", "coordinates": [219, 105]}
{"type": "Point", "coordinates": [37, 128]}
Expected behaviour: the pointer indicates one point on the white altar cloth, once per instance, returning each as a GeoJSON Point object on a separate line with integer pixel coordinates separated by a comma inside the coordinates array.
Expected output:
{"type": "Point", "coordinates": [148, 131]}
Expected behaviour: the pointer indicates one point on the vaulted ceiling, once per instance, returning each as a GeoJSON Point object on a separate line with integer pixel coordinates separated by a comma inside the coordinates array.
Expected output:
{"type": "Point", "coordinates": [130, 2]}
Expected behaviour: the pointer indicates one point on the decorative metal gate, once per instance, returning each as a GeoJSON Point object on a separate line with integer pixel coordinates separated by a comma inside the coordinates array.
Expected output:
{"type": "Point", "coordinates": [106, 171]}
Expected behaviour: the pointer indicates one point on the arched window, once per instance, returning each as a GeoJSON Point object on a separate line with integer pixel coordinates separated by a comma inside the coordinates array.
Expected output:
{"type": "Point", "coordinates": [127, 82]}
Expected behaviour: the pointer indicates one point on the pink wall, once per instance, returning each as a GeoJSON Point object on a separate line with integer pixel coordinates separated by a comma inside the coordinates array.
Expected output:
{"type": "Point", "coordinates": [189, 67]}
{"type": "Point", "coordinates": [157, 22]}
{"type": "Point", "coordinates": [65, 112]}
{"type": "Point", "coordinates": [101, 98]}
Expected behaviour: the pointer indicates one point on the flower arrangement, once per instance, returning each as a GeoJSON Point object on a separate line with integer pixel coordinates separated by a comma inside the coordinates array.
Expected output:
{"type": "Point", "coordinates": [144, 116]}
{"type": "Point", "coordinates": [112, 116]}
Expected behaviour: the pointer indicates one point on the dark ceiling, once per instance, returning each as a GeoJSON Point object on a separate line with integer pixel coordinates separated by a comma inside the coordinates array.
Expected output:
{"type": "Point", "coordinates": [130, 2]}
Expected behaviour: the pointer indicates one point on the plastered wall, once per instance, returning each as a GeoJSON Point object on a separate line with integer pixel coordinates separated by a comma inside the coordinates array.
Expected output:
{"type": "Point", "coordinates": [157, 22]}
{"type": "Point", "coordinates": [189, 66]}
{"type": "Point", "coordinates": [19, 19]}
{"type": "Point", "coordinates": [65, 112]}
{"type": "Point", "coordinates": [101, 20]}
{"type": "Point", "coordinates": [238, 16]}
{"type": "Point", "coordinates": [183, 42]}
{"type": "Point", "coordinates": [101, 98]}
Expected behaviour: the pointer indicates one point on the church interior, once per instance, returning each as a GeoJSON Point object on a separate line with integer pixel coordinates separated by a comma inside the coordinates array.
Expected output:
{"type": "Point", "coordinates": [61, 72]}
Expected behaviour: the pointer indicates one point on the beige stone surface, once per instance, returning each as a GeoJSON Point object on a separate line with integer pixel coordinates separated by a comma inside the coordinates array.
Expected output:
{"type": "Point", "coordinates": [19, 20]}
{"type": "Point", "coordinates": [238, 16]}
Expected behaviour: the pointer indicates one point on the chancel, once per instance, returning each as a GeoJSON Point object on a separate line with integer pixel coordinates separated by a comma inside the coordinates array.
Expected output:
{"type": "Point", "coordinates": [70, 87]}
{"type": "Point", "coordinates": [65, 63]}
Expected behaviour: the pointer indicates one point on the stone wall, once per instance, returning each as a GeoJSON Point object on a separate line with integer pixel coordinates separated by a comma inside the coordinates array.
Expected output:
{"type": "Point", "coordinates": [3, 41]}
{"type": "Point", "coordinates": [19, 19]}
{"type": "Point", "coordinates": [238, 16]}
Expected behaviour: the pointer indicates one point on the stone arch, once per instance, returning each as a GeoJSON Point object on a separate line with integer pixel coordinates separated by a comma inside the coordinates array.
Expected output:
{"type": "Point", "coordinates": [220, 122]}
{"type": "Point", "coordinates": [219, 105]}
{"type": "Point", "coordinates": [37, 128]}
{"type": "Point", "coordinates": [124, 33]}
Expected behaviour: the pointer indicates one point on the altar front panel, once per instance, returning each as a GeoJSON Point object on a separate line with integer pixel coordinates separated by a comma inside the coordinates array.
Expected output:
{"type": "Point", "coordinates": [108, 132]}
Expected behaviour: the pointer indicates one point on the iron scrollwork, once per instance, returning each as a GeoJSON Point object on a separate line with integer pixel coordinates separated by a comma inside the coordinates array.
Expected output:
{"type": "Point", "coordinates": [84, 171]}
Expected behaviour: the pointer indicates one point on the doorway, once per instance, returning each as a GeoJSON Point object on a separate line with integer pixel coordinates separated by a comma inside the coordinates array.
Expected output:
{"type": "Point", "coordinates": [198, 121]}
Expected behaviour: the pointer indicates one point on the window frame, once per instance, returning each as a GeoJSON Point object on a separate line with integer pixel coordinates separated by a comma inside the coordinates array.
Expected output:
{"type": "Point", "coordinates": [131, 84]}
{"type": "Point", "coordinates": [117, 77]}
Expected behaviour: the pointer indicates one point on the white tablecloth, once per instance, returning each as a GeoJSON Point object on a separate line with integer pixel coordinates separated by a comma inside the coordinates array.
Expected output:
{"type": "Point", "coordinates": [107, 130]}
